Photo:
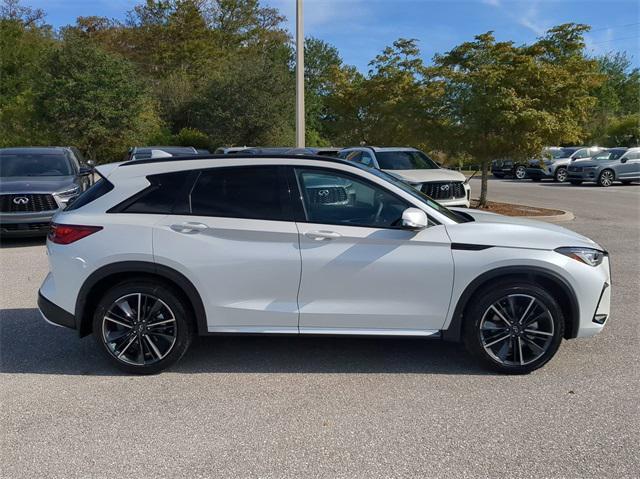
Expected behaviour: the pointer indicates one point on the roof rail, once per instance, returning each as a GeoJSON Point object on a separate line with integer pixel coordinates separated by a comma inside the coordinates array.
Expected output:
{"type": "Point", "coordinates": [237, 156]}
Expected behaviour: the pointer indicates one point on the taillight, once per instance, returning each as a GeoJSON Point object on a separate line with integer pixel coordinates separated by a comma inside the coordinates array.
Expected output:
{"type": "Point", "coordinates": [66, 234]}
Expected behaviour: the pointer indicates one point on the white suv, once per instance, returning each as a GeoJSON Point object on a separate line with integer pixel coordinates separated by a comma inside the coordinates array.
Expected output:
{"type": "Point", "coordinates": [448, 187]}
{"type": "Point", "coordinates": [163, 249]}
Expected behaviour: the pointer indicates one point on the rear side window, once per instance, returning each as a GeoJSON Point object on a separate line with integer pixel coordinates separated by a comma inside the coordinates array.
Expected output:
{"type": "Point", "coordinates": [256, 192]}
{"type": "Point", "coordinates": [165, 191]}
{"type": "Point", "coordinates": [95, 191]}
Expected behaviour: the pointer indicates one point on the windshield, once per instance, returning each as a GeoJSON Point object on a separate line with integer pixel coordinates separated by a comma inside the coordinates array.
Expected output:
{"type": "Point", "coordinates": [34, 164]}
{"type": "Point", "coordinates": [452, 215]}
{"type": "Point", "coordinates": [405, 160]}
{"type": "Point", "coordinates": [561, 153]}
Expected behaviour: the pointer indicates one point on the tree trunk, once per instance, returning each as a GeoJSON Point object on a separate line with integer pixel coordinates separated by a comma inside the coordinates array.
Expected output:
{"type": "Point", "coordinates": [484, 184]}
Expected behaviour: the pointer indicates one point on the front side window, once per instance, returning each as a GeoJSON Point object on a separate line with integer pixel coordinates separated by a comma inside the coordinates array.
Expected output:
{"type": "Point", "coordinates": [405, 160]}
{"type": "Point", "coordinates": [332, 197]}
{"type": "Point", "coordinates": [255, 192]}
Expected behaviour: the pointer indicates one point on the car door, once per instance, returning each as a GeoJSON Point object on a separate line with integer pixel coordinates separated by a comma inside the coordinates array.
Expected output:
{"type": "Point", "coordinates": [361, 272]}
{"type": "Point", "coordinates": [235, 239]}
{"type": "Point", "coordinates": [630, 169]}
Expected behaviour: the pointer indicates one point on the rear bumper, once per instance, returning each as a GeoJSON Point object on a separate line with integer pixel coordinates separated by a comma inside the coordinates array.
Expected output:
{"type": "Point", "coordinates": [53, 313]}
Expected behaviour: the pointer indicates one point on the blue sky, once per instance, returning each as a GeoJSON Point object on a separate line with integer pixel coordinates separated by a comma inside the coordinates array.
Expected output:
{"type": "Point", "coordinates": [362, 28]}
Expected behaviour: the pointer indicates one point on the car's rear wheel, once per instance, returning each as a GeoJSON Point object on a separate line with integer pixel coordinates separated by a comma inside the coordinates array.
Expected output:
{"type": "Point", "coordinates": [142, 326]}
{"type": "Point", "coordinates": [560, 175]}
{"type": "Point", "coordinates": [575, 182]}
{"type": "Point", "coordinates": [521, 172]}
{"type": "Point", "coordinates": [514, 327]}
{"type": "Point", "coordinates": [606, 178]}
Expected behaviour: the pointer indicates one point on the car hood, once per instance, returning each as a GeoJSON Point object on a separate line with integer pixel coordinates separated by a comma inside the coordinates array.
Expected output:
{"type": "Point", "coordinates": [36, 184]}
{"type": "Point", "coordinates": [512, 232]}
{"type": "Point", "coordinates": [425, 176]}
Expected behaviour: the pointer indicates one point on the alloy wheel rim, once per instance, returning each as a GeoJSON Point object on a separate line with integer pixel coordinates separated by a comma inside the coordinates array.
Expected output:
{"type": "Point", "coordinates": [139, 329]}
{"type": "Point", "coordinates": [562, 175]}
{"type": "Point", "coordinates": [606, 178]}
{"type": "Point", "coordinates": [517, 330]}
{"type": "Point", "coordinates": [520, 172]}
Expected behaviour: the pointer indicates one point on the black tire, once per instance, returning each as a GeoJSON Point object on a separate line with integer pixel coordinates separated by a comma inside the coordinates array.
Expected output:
{"type": "Point", "coordinates": [606, 178]}
{"type": "Point", "coordinates": [575, 182]}
{"type": "Point", "coordinates": [549, 334]}
{"type": "Point", "coordinates": [560, 175]}
{"type": "Point", "coordinates": [520, 172]}
{"type": "Point", "coordinates": [171, 338]}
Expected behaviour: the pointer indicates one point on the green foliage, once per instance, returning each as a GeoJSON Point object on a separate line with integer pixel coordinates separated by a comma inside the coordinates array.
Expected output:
{"type": "Point", "coordinates": [92, 99]}
{"type": "Point", "coordinates": [192, 137]}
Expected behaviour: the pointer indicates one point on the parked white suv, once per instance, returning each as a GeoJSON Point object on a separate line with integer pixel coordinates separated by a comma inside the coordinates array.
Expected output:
{"type": "Point", "coordinates": [160, 250]}
{"type": "Point", "coordinates": [448, 187]}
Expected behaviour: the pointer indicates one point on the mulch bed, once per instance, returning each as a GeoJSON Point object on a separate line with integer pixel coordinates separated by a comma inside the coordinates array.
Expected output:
{"type": "Point", "coordinates": [516, 210]}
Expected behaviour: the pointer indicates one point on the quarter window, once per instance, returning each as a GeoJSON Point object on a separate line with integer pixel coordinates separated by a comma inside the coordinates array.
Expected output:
{"type": "Point", "coordinates": [334, 198]}
{"type": "Point", "coordinates": [256, 192]}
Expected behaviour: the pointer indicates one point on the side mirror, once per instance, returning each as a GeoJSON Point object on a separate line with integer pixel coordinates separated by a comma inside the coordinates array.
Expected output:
{"type": "Point", "coordinates": [414, 219]}
{"type": "Point", "coordinates": [85, 170]}
{"type": "Point", "coordinates": [623, 160]}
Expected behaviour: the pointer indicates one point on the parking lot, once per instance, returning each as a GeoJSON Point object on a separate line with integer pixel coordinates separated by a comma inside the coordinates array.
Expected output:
{"type": "Point", "coordinates": [327, 407]}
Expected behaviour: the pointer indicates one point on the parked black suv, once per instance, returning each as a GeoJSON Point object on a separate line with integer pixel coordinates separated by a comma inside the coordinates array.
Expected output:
{"type": "Point", "coordinates": [35, 183]}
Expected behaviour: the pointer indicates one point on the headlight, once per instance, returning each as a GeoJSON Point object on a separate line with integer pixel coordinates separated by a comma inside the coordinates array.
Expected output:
{"type": "Point", "coordinates": [590, 256]}
{"type": "Point", "coordinates": [70, 192]}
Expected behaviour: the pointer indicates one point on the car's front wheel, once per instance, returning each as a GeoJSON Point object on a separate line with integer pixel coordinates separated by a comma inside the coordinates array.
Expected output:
{"type": "Point", "coordinates": [560, 175]}
{"type": "Point", "coordinates": [520, 173]}
{"type": "Point", "coordinates": [142, 326]}
{"type": "Point", "coordinates": [514, 327]}
{"type": "Point", "coordinates": [606, 178]}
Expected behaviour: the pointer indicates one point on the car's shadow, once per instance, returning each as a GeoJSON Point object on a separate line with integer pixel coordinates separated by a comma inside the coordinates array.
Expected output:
{"type": "Point", "coordinates": [22, 242]}
{"type": "Point", "coordinates": [28, 345]}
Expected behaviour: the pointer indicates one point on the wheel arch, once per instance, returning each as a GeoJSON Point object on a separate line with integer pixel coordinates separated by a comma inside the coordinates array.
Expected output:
{"type": "Point", "coordinates": [550, 280]}
{"type": "Point", "coordinates": [105, 277]}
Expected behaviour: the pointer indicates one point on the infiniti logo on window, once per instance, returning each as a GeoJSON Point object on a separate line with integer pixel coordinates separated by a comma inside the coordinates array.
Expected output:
{"type": "Point", "coordinates": [21, 200]}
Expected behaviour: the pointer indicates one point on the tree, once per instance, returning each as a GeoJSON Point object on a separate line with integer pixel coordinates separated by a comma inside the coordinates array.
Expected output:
{"type": "Point", "coordinates": [502, 100]}
{"type": "Point", "coordinates": [23, 45]}
{"type": "Point", "coordinates": [320, 61]}
{"type": "Point", "coordinates": [92, 99]}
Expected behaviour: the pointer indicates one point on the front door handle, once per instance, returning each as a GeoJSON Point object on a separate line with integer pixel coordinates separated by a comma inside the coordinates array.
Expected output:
{"type": "Point", "coordinates": [189, 227]}
{"type": "Point", "coordinates": [322, 235]}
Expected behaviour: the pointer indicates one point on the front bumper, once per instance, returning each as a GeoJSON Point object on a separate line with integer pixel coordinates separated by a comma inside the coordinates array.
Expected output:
{"type": "Point", "coordinates": [54, 314]}
{"type": "Point", "coordinates": [584, 175]}
{"type": "Point", "coordinates": [538, 173]}
{"type": "Point", "coordinates": [25, 224]}
{"type": "Point", "coordinates": [464, 202]}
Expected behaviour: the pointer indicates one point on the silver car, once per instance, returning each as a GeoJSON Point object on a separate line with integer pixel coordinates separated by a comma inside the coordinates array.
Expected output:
{"type": "Point", "coordinates": [615, 164]}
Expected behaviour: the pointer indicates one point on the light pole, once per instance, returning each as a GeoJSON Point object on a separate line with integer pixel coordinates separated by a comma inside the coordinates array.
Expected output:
{"type": "Point", "coordinates": [299, 76]}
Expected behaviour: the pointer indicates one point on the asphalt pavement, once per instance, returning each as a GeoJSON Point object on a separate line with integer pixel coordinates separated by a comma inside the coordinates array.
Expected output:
{"type": "Point", "coordinates": [325, 407]}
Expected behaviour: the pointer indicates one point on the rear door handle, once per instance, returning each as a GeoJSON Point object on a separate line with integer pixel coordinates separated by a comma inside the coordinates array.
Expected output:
{"type": "Point", "coordinates": [322, 235]}
{"type": "Point", "coordinates": [189, 227]}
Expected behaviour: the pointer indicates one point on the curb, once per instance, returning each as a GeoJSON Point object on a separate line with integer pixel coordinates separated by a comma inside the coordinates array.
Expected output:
{"type": "Point", "coordinates": [565, 216]}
